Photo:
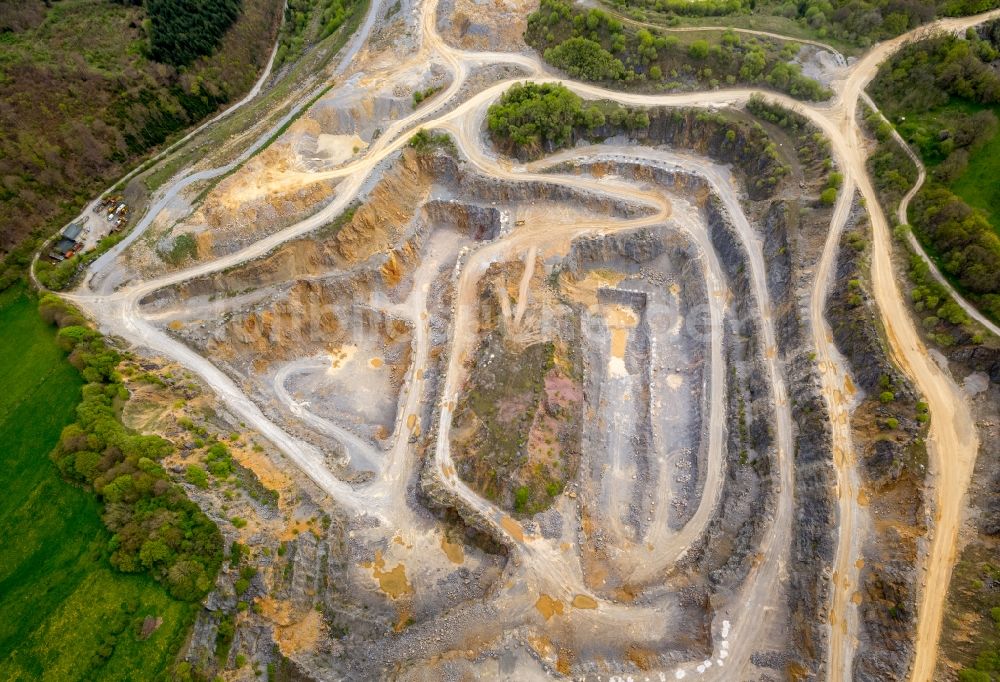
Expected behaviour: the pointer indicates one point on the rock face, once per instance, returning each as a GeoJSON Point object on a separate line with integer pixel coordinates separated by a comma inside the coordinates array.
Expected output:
{"type": "Point", "coordinates": [635, 247]}
{"type": "Point", "coordinates": [888, 467]}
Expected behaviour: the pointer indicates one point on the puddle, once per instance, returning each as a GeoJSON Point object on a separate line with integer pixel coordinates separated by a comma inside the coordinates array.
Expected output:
{"type": "Point", "coordinates": [548, 607]}
{"type": "Point", "coordinates": [393, 582]}
{"type": "Point", "coordinates": [582, 601]}
{"type": "Point", "coordinates": [512, 527]}
{"type": "Point", "coordinates": [452, 550]}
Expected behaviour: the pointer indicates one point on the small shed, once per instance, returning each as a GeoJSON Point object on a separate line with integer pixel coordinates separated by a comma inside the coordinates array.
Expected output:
{"type": "Point", "coordinates": [64, 246]}
{"type": "Point", "coordinates": [73, 231]}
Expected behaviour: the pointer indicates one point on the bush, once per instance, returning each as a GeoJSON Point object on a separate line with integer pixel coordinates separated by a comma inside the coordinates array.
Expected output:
{"type": "Point", "coordinates": [521, 497]}
{"type": "Point", "coordinates": [196, 476]}
{"type": "Point", "coordinates": [886, 397]}
{"type": "Point", "coordinates": [828, 196]}
{"type": "Point", "coordinates": [698, 49]}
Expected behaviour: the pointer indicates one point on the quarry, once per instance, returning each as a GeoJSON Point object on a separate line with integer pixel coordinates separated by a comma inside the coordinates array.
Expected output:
{"type": "Point", "coordinates": [577, 416]}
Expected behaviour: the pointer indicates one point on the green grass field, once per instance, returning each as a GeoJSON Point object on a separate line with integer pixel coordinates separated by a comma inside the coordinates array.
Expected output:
{"type": "Point", "coordinates": [979, 185]}
{"type": "Point", "coordinates": [60, 600]}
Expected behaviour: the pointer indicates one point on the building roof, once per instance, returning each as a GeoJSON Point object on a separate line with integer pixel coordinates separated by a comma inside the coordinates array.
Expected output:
{"type": "Point", "coordinates": [65, 245]}
{"type": "Point", "coordinates": [73, 231]}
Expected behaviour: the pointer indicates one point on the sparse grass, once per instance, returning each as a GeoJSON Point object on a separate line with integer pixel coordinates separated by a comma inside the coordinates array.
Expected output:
{"type": "Point", "coordinates": [971, 632]}
{"type": "Point", "coordinates": [62, 603]}
{"type": "Point", "coordinates": [500, 410]}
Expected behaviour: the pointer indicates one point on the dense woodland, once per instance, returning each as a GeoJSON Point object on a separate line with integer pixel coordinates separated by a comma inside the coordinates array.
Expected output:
{"type": "Point", "coordinates": [943, 94]}
{"type": "Point", "coordinates": [83, 97]}
{"type": "Point", "coordinates": [595, 46]}
{"type": "Point", "coordinates": [155, 528]}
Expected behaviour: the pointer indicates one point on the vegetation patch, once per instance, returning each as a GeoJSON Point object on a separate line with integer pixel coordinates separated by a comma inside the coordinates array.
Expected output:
{"type": "Point", "coordinates": [848, 22]}
{"type": "Point", "coordinates": [971, 629]}
{"type": "Point", "coordinates": [155, 528]}
{"type": "Point", "coordinates": [307, 21]}
{"type": "Point", "coordinates": [530, 119]}
{"type": "Point", "coordinates": [68, 614]}
{"type": "Point", "coordinates": [596, 46]}
{"type": "Point", "coordinates": [516, 427]}
{"type": "Point", "coordinates": [84, 99]}
{"type": "Point", "coordinates": [425, 143]}
{"type": "Point", "coordinates": [180, 31]}
{"type": "Point", "coordinates": [943, 94]}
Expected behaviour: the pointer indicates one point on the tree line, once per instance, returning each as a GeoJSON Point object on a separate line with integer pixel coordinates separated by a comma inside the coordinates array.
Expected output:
{"type": "Point", "coordinates": [858, 22]}
{"type": "Point", "coordinates": [155, 528]}
{"type": "Point", "coordinates": [594, 45]}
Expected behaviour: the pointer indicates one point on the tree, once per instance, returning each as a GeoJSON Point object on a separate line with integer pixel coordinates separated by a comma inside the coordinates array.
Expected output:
{"type": "Point", "coordinates": [180, 31]}
{"type": "Point", "coordinates": [584, 58]}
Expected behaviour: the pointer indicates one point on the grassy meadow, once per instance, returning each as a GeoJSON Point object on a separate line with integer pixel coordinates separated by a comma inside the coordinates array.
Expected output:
{"type": "Point", "coordinates": [65, 614]}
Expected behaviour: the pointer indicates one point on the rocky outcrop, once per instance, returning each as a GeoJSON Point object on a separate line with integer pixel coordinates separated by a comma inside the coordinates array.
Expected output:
{"type": "Point", "coordinates": [627, 249]}
{"type": "Point", "coordinates": [888, 466]}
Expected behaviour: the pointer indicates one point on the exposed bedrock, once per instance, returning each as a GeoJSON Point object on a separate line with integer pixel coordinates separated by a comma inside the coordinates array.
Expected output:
{"type": "Point", "coordinates": [814, 526]}
{"type": "Point", "coordinates": [477, 222]}
{"type": "Point", "coordinates": [722, 139]}
{"type": "Point", "coordinates": [892, 464]}
{"type": "Point", "coordinates": [628, 250]}
{"type": "Point", "coordinates": [747, 500]}
{"type": "Point", "coordinates": [813, 536]}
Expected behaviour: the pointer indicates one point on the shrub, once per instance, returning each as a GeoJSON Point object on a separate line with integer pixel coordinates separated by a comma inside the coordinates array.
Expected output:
{"type": "Point", "coordinates": [196, 476]}
{"type": "Point", "coordinates": [698, 49]}
{"type": "Point", "coordinates": [886, 396]}
{"type": "Point", "coordinates": [521, 497]}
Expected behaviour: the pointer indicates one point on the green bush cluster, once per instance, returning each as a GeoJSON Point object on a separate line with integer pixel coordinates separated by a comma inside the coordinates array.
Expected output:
{"type": "Point", "coordinates": [155, 528]}
{"type": "Point", "coordinates": [690, 8]}
{"type": "Point", "coordinates": [420, 95]}
{"type": "Point", "coordinates": [967, 247]}
{"type": "Point", "coordinates": [530, 117]}
{"type": "Point", "coordinates": [424, 142]}
{"type": "Point", "coordinates": [310, 20]}
{"type": "Point", "coordinates": [596, 46]}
